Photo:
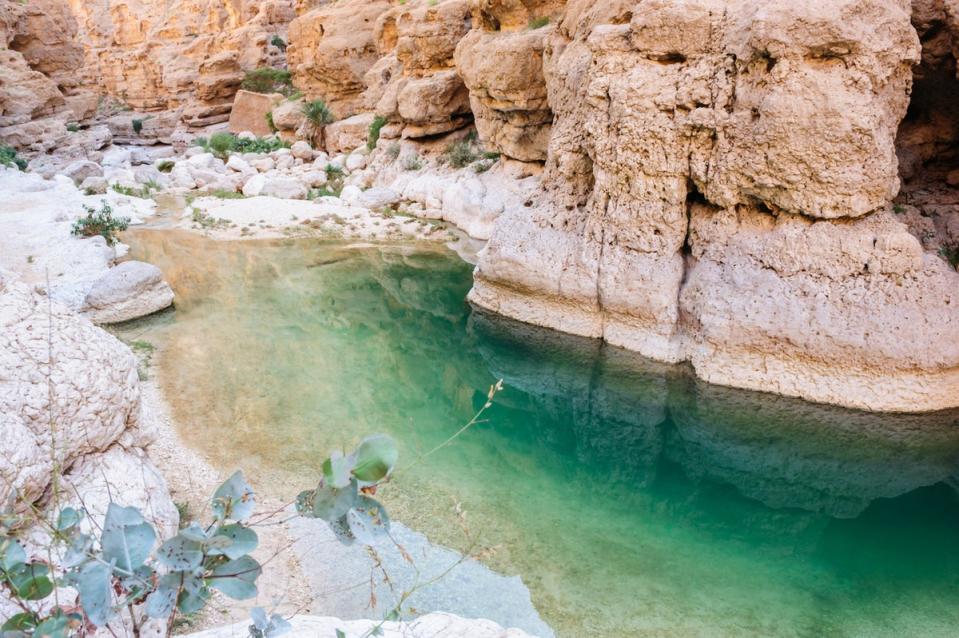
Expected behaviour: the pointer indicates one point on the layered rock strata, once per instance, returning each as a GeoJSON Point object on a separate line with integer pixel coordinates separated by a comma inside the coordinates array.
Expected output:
{"type": "Point", "coordinates": [165, 55]}
{"type": "Point", "coordinates": [718, 191]}
{"type": "Point", "coordinates": [415, 83]}
{"type": "Point", "coordinates": [501, 61]}
{"type": "Point", "coordinates": [331, 49]}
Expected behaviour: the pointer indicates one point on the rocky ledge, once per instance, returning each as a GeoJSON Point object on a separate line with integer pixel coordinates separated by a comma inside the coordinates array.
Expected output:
{"type": "Point", "coordinates": [719, 190]}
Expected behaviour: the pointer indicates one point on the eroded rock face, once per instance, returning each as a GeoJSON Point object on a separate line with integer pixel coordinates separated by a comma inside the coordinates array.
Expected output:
{"type": "Point", "coordinates": [67, 389]}
{"type": "Point", "coordinates": [35, 48]}
{"type": "Point", "coordinates": [330, 50]}
{"type": "Point", "coordinates": [501, 61]}
{"type": "Point", "coordinates": [178, 53]}
{"type": "Point", "coordinates": [415, 84]}
{"type": "Point", "coordinates": [695, 146]}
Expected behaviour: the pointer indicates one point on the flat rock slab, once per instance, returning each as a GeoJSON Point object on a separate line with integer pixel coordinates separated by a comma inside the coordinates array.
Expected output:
{"type": "Point", "coordinates": [437, 625]}
{"type": "Point", "coordinates": [130, 290]}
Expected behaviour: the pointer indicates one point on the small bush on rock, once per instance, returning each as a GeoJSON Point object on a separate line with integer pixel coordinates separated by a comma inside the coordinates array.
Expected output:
{"type": "Point", "coordinates": [8, 157]}
{"type": "Point", "coordinates": [538, 23]}
{"type": "Point", "coordinates": [222, 144]}
{"type": "Point", "coordinates": [460, 154]}
{"type": "Point", "coordinates": [951, 254]}
{"type": "Point", "coordinates": [317, 113]}
{"type": "Point", "coordinates": [278, 42]}
{"type": "Point", "coordinates": [121, 567]}
{"type": "Point", "coordinates": [100, 222]}
{"type": "Point", "coordinates": [373, 134]}
{"type": "Point", "coordinates": [144, 192]}
{"type": "Point", "coordinates": [268, 80]}
{"type": "Point", "coordinates": [412, 163]}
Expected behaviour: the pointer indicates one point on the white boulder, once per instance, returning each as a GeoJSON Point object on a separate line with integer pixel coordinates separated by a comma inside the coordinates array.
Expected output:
{"type": "Point", "coordinates": [82, 169]}
{"type": "Point", "coordinates": [254, 186]}
{"type": "Point", "coordinates": [377, 198]}
{"type": "Point", "coordinates": [129, 290]}
{"type": "Point", "coordinates": [356, 161]}
{"type": "Point", "coordinates": [283, 188]}
{"type": "Point", "coordinates": [302, 150]}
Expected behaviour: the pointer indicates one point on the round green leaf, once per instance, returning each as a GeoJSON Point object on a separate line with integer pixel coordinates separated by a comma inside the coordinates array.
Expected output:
{"type": "Point", "coordinates": [375, 458]}
{"type": "Point", "coordinates": [240, 540]}
{"type": "Point", "coordinates": [330, 503]}
{"type": "Point", "coordinates": [236, 578]}
{"type": "Point", "coordinates": [234, 499]}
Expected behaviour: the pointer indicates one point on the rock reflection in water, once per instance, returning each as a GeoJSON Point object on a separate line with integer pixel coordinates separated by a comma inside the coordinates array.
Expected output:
{"type": "Point", "coordinates": [631, 498]}
{"type": "Point", "coordinates": [783, 452]}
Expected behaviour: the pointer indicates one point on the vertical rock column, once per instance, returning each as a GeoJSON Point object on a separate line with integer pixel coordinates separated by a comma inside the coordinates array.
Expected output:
{"type": "Point", "coordinates": [718, 191]}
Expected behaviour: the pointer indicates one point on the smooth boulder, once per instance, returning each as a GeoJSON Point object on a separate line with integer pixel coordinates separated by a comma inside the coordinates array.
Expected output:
{"type": "Point", "coordinates": [130, 290]}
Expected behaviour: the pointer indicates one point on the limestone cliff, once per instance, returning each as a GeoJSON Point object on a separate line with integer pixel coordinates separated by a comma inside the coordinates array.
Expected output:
{"type": "Point", "coordinates": [170, 61]}
{"type": "Point", "coordinates": [718, 190]}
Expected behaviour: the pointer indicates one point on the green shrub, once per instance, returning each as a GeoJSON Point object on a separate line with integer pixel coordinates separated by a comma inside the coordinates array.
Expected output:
{"type": "Point", "coordinates": [8, 157]}
{"type": "Point", "coordinates": [137, 125]}
{"type": "Point", "coordinates": [482, 167]}
{"type": "Point", "coordinates": [221, 193]}
{"type": "Point", "coordinates": [268, 80]}
{"type": "Point", "coordinates": [538, 23]}
{"type": "Point", "coordinates": [373, 133]}
{"type": "Point", "coordinates": [317, 113]}
{"type": "Point", "coordinates": [951, 254]}
{"type": "Point", "coordinates": [222, 144]}
{"type": "Point", "coordinates": [165, 166]}
{"type": "Point", "coordinates": [73, 127]}
{"type": "Point", "coordinates": [278, 42]}
{"type": "Point", "coordinates": [100, 222]}
{"type": "Point", "coordinates": [460, 154]}
{"type": "Point", "coordinates": [412, 163]}
{"type": "Point", "coordinates": [270, 123]}
{"type": "Point", "coordinates": [144, 192]}
{"type": "Point", "coordinates": [325, 191]}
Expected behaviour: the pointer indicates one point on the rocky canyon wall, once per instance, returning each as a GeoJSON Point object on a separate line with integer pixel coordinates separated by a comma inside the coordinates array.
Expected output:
{"type": "Point", "coordinates": [164, 62]}
{"type": "Point", "coordinates": [719, 189]}
{"type": "Point", "coordinates": [766, 189]}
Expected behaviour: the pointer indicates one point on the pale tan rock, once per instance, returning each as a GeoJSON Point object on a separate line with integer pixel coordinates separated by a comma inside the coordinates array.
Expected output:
{"type": "Point", "coordinates": [127, 291]}
{"type": "Point", "coordinates": [330, 50]}
{"type": "Point", "coordinates": [753, 120]}
{"type": "Point", "coordinates": [345, 135]}
{"type": "Point", "coordinates": [178, 54]}
{"type": "Point", "coordinates": [250, 111]}
{"type": "Point", "coordinates": [415, 85]}
{"type": "Point", "coordinates": [502, 64]}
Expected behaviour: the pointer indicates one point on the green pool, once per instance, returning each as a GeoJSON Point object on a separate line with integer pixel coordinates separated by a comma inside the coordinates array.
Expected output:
{"type": "Point", "coordinates": [632, 499]}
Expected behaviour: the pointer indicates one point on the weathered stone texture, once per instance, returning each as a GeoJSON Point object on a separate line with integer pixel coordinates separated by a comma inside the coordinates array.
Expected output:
{"type": "Point", "coordinates": [695, 146]}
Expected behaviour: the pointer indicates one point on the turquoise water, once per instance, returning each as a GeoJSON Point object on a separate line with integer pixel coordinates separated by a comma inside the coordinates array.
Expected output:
{"type": "Point", "coordinates": [632, 499]}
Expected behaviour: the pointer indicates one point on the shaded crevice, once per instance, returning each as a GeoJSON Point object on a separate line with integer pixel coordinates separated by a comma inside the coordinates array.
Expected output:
{"type": "Point", "coordinates": [927, 146]}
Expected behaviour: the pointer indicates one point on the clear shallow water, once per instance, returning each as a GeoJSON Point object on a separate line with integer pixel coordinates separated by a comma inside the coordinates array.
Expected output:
{"type": "Point", "coordinates": [632, 499]}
